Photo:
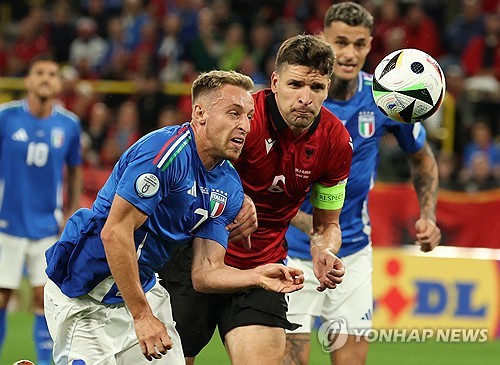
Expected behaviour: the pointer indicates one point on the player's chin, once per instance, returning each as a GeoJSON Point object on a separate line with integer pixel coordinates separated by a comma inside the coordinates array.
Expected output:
{"type": "Point", "coordinates": [233, 154]}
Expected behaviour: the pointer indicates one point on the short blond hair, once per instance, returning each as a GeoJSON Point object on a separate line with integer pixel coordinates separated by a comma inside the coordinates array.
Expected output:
{"type": "Point", "coordinates": [214, 80]}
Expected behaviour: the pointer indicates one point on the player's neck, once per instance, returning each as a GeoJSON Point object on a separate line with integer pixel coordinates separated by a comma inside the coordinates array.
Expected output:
{"type": "Point", "coordinates": [204, 148]}
{"type": "Point", "coordinates": [40, 108]}
{"type": "Point", "coordinates": [343, 89]}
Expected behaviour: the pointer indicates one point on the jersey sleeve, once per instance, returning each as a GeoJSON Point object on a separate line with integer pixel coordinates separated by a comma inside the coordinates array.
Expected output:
{"type": "Point", "coordinates": [411, 137]}
{"type": "Point", "coordinates": [215, 229]}
{"type": "Point", "coordinates": [338, 160]}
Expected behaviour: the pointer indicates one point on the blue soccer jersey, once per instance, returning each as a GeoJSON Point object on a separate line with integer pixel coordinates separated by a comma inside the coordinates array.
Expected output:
{"type": "Point", "coordinates": [367, 125]}
{"type": "Point", "coordinates": [33, 153]}
{"type": "Point", "coordinates": [163, 176]}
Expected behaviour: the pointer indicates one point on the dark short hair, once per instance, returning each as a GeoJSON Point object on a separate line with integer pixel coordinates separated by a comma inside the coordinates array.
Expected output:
{"type": "Point", "coordinates": [306, 50]}
{"type": "Point", "coordinates": [44, 57]}
{"type": "Point", "coordinates": [213, 80]}
{"type": "Point", "coordinates": [350, 13]}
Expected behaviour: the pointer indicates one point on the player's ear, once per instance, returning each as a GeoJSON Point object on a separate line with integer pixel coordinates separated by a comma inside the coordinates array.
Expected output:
{"type": "Point", "coordinates": [369, 43]}
{"type": "Point", "coordinates": [198, 114]}
{"type": "Point", "coordinates": [274, 81]}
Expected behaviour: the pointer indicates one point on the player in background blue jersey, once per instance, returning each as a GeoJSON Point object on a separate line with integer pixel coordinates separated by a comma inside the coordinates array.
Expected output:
{"type": "Point", "coordinates": [102, 300]}
{"type": "Point", "coordinates": [39, 140]}
{"type": "Point", "coordinates": [347, 27]}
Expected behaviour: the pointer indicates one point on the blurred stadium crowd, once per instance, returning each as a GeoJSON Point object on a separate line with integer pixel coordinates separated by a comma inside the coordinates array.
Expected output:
{"type": "Point", "coordinates": [156, 42]}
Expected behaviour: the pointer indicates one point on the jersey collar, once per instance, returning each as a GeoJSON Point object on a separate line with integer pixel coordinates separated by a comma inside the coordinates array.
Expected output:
{"type": "Point", "coordinates": [277, 120]}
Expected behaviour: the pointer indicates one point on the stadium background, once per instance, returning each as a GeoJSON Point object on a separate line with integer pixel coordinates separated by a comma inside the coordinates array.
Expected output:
{"type": "Point", "coordinates": [127, 67]}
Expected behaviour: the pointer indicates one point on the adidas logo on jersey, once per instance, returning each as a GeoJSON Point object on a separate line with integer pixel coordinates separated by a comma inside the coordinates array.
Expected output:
{"type": "Point", "coordinates": [20, 135]}
{"type": "Point", "coordinates": [368, 315]}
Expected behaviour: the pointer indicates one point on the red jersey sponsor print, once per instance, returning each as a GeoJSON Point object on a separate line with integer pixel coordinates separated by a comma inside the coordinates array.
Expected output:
{"type": "Point", "coordinates": [277, 170]}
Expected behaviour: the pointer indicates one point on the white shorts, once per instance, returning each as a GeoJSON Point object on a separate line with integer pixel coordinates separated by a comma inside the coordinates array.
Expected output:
{"type": "Point", "coordinates": [98, 334]}
{"type": "Point", "coordinates": [15, 253]}
{"type": "Point", "coordinates": [352, 300]}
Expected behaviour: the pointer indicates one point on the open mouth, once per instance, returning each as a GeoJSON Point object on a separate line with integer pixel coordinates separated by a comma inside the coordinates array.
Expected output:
{"type": "Point", "coordinates": [238, 141]}
{"type": "Point", "coordinates": [346, 67]}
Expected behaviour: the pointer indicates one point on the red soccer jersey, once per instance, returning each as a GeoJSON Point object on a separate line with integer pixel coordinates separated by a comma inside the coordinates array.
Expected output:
{"type": "Point", "coordinates": [277, 170]}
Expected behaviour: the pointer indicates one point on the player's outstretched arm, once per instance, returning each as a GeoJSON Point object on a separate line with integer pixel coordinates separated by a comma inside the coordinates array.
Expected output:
{"type": "Point", "coordinates": [117, 237]}
{"type": "Point", "coordinates": [210, 275]}
{"type": "Point", "coordinates": [426, 181]}
{"type": "Point", "coordinates": [325, 243]}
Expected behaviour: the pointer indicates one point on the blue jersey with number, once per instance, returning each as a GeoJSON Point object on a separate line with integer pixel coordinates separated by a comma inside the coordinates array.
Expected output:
{"type": "Point", "coordinates": [163, 176]}
{"type": "Point", "coordinates": [367, 125]}
{"type": "Point", "coordinates": [33, 153]}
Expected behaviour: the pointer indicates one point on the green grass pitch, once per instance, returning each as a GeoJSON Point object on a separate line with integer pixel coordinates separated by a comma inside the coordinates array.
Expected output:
{"type": "Point", "coordinates": [19, 345]}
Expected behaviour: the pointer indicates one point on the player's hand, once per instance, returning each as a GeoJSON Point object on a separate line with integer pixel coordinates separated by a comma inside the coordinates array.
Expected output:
{"type": "Point", "coordinates": [328, 269]}
{"type": "Point", "coordinates": [280, 278]}
{"type": "Point", "coordinates": [244, 224]}
{"type": "Point", "coordinates": [428, 234]}
{"type": "Point", "coordinates": [153, 337]}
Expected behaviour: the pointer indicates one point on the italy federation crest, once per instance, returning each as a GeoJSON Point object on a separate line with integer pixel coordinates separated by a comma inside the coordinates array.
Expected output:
{"type": "Point", "coordinates": [366, 124]}
{"type": "Point", "coordinates": [218, 201]}
{"type": "Point", "coordinates": [57, 137]}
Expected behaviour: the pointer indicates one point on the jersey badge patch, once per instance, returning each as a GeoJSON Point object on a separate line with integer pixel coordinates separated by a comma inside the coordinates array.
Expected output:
{"type": "Point", "coordinates": [218, 200]}
{"type": "Point", "coordinates": [366, 124]}
{"type": "Point", "coordinates": [57, 137]}
{"type": "Point", "coordinates": [147, 185]}
{"type": "Point", "coordinates": [308, 156]}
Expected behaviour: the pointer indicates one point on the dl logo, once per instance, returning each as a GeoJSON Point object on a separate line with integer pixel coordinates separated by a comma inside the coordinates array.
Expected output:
{"type": "Point", "coordinates": [433, 298]}
{"type": "Point", "coordinates": [332, 334]}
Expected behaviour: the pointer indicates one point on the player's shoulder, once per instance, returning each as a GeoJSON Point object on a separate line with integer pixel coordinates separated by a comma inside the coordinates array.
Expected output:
{"type": "Point", "coordinates": [165, 145]}
{"type": "Point", "coordinates": [64, 113]}
{"type": "Point", "coordinates": [11, 106]}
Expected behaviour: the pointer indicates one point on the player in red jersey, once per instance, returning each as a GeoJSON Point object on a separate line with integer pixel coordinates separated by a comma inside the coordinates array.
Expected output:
{"type": "Point", "coordinates": [294, 143]}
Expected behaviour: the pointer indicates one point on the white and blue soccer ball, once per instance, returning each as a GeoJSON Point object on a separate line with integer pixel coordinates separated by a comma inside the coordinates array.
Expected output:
{"type": "Point", "coordinates": [408, 85]}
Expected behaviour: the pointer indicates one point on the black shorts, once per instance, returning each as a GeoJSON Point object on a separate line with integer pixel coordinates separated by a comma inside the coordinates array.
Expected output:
{"type": "Point", "coordinates": [197, 314]}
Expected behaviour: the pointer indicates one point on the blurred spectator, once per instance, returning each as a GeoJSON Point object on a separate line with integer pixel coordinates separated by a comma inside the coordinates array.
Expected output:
{"type": "Point", "coordinates": [116, 56]}
{"type": "Point", "coordinates": [480, 176]}
{"type": "Point", "coordinates": [394, 165]}
{"type": "Point", "coordinates": [205, 49]}
{"type": "Point", "coordinates": [261, 45]}
{"type": "Point", "coordinates": [30, 42]}
{"type": "Point", "coordinates": [389, 23]}
{"type": "Point", "coordinates": [150, 101]}
{"type": "Point", "coordinates": [61, 31]}
{"type": "Point", "coordinates": [481, 56]}
{"type": "Point", "coordinates": [234, 48]}
{"type": "Point", "coordinates": [448, 171]}
{"type": "Point", "coordinates": [224, 16]}
{"type": "Point", "coordinates": [122, 134]}
{"type": "Point", "coordinates": [134, 17]}
{"type": "Point", "coordinates": [96, 130]}
{"type": "Point", "coordinates": [171, 50]}
{"type": "Point", "coordinates": [248, 67]}
{"type": "Point", "coordinates": [142, 59]}
{"type": "Point", "coordinates": [76, 95]}
{"type": "Point", "coordinates": [463, 27]}
{"type": "Point", "coordinates": [97, 11]}
{"type": "Point", "coordinates": [170, 115]}
{"type": "Point", "coordinates": [483, 144]}
{"type": "Point", "coordinates": [4, 55]}
{"type": "Point", "coordinates": [420, 31]}
{"type": "Point", "coordinates": [87, 49]}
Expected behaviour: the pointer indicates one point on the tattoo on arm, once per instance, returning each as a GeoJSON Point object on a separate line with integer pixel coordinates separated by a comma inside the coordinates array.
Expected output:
{"type": "Point", "coordinates": [425, 180]}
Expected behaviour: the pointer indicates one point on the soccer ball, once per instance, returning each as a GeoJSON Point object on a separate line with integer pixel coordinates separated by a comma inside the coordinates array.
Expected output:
{"type": "Point", "coordinates": [408, 85]}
